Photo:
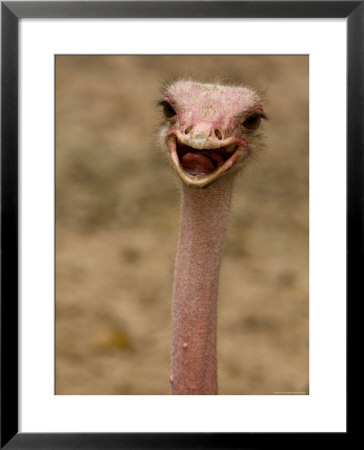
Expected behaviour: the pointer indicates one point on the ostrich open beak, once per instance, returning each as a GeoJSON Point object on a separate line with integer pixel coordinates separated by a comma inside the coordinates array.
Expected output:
{"type": "Point", "coordinates": [201, 161]}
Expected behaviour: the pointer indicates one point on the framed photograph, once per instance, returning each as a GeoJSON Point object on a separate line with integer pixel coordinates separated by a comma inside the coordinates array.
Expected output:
{"type": "Point", "coordinates": [181, 194]}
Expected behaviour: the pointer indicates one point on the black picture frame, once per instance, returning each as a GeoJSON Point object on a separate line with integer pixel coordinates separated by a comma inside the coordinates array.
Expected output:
{"type": "Point", "coordinates": [11, 12]}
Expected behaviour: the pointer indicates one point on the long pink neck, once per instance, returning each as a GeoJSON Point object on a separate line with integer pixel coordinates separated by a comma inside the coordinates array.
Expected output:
{"type": "Point", "coordinates": [204, 218]}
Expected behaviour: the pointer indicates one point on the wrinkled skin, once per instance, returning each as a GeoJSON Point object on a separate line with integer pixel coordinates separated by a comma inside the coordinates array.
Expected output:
{"type": "Point", "coordinates": [209, 128]}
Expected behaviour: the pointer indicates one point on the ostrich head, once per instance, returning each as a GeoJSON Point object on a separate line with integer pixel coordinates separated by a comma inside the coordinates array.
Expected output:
{"type": "Point", "coordinates": [209, 129]}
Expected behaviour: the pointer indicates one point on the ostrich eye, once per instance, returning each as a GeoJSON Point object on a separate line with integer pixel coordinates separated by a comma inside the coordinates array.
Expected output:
{"type": "Point", "coordinates": [168, 110]}
{"type": "Point", "coordinates": [252, 122]}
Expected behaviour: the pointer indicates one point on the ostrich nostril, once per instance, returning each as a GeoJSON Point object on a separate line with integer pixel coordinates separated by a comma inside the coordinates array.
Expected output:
{"type": "Point", "coordinates": [188, 130]}
{"type": "Point", "coordinates": [218, 134]}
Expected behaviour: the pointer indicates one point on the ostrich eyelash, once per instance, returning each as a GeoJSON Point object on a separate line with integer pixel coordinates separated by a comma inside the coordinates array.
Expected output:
{"type": "Point", "coordinates": [163, 102]}
{"type": "Point", "coordinates": [254, 113]}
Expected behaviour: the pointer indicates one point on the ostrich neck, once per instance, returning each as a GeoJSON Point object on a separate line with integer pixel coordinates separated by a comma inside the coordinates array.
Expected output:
{"type": "Point", "coordinates": [204, 218]}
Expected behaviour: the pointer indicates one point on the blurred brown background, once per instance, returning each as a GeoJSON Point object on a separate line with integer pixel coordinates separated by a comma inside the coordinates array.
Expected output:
{"type": "Point", "coordinates": [117, 217]}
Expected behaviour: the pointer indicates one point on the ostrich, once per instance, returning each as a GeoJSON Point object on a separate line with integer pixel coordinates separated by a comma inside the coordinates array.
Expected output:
{"type": "Point", "coordinates": [209, 130]}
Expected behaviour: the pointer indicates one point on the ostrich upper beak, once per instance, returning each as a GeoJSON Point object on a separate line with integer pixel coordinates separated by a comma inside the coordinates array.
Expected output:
{"type": "Point", "coordinates": [200, 156]}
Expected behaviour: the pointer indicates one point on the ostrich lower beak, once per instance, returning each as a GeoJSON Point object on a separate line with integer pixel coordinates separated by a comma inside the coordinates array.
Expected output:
{"type": "Point", "coordinates": [212, 163]}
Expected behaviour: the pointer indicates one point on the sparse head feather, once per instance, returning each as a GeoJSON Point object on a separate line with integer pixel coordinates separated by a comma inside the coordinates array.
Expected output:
{"type": "Point", "coordinates": [211, 100]}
